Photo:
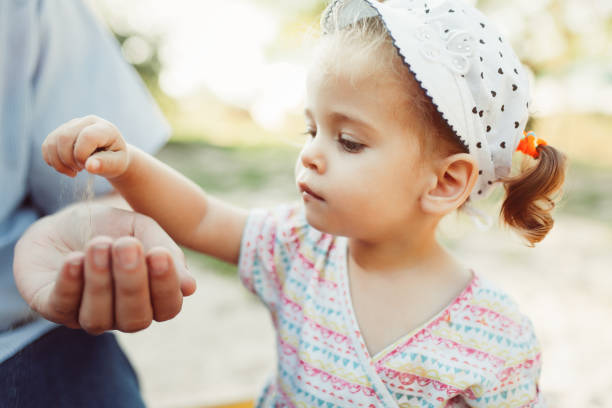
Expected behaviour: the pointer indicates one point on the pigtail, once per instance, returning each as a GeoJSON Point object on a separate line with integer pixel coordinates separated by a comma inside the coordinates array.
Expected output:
{"type": "Point", "coordinates": [531, 195]}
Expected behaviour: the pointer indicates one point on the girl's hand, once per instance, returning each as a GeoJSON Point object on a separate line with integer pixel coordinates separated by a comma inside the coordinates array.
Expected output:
{"type": "Point", "coordinates": [89, 143]}
{"type": "Point", "coordinates": [130, 274]}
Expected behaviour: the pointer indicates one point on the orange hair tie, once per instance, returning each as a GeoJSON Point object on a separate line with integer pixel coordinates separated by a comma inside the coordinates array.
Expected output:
{"type": "Point", "coordinates": [528, 144]}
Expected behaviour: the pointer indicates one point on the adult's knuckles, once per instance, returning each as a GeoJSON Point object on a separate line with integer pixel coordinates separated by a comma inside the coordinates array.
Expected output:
{"type": "Point", "coordinates": [99, 287]}
{"type": "Point", "coordinates": [132, 290]}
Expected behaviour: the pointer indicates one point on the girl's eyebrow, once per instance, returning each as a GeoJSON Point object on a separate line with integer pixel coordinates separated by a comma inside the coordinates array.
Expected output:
{"type": "Point", "coordinates": [342, 117]}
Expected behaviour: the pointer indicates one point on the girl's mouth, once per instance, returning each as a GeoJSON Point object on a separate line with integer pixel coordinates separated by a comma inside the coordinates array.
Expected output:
{"type": "Point", "coordinates": [307, 192]}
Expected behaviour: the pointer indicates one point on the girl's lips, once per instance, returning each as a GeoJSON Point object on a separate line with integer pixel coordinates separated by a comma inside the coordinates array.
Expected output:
{"type": "Point", "coordinates": [305, 189]}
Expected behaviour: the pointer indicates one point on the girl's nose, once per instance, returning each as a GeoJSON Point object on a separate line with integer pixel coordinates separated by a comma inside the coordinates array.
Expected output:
{"type": "Point", "coordinates": [312, 156]}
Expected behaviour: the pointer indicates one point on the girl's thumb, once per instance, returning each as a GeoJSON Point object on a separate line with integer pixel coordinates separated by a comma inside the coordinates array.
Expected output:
{"type": "Point", "coordinates": [107, 163]}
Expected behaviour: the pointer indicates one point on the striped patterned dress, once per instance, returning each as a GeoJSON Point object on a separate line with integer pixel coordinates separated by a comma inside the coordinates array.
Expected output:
{"type": "Point", "coordinates": [480, 351]}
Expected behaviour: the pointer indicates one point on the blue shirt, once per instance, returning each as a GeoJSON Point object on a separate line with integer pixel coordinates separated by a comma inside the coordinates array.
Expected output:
{"type": "Point", "coordinates": [57, 62]}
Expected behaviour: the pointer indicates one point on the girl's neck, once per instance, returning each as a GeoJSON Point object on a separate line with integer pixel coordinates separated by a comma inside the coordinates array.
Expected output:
{"type": "Point", "coordinates": [412, 252]}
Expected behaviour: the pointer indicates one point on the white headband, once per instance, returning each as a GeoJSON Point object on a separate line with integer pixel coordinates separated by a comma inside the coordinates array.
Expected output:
{"type": "Point", "coordinates": [461, 61]}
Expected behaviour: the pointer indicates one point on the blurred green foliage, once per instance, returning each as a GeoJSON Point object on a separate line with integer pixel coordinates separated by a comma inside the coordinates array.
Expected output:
{"type": "Point", "coordinates": [227, 169]}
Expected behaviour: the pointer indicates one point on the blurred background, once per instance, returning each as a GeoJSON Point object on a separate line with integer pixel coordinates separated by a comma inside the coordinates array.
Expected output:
{"type": "Point", "coordinates": [229, 76]}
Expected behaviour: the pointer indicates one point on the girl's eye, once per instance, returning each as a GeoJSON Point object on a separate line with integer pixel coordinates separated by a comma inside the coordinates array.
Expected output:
{"type": "Point", "coordinates": [350, 145]}
{"type": "Point", "coordinates": [310, 132]}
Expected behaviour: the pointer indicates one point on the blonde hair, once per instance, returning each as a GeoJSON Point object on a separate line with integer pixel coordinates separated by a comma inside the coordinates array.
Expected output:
{"type": "Point", "coordinates": [529, 197]}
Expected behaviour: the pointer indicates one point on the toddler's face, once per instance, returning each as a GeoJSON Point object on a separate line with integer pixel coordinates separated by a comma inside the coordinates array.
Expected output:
{"type": "Point", "coordinates": [360, 170]}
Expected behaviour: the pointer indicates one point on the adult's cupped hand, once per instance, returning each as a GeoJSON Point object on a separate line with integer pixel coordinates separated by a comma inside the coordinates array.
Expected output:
{"type": "Point", "coordinates": [129, 274]}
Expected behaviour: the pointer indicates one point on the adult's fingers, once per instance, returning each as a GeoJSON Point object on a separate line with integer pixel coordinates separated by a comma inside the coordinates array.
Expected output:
{"type": "Point", "coordinates": [58, 301]}
{"type": "Point", "coordinates": [96, 311]}
{"type": "Point", "coordinates": [186, 280]}
{"type": "Point", "coordinates": [133, 309]}
{"type": "Point", "coordinates": [166, 296]}
{"type": "Point", "coordinates": [65, 297]}
{"type": "Point", "coordinates": [152, 235]}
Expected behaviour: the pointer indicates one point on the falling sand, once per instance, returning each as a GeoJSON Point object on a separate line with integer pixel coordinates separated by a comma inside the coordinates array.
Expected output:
{"type": "Point", "coordinates": [87, 195]}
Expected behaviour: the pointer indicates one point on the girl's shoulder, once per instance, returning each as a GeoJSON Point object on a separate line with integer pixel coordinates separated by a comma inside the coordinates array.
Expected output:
{"type": "Point", "coordinates": [492, 299]}
{"type": "Point", "coordinates": [491, 317]}
{"type": "Point", "coordinates": [492, 342]}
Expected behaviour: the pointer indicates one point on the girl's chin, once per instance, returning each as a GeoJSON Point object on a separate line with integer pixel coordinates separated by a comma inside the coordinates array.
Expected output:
{"type": "Point", "coordinates": [322, 222]}
{"type": "Point", "coordinates": [317, 220]}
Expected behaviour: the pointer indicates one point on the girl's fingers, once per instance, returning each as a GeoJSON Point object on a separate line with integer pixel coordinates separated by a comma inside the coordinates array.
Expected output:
{"type": "Point", "coordinates": [166, 296]}
{"type": "Point", "coordinates": [65, 148]}
{"type": "Point", "coordinates": [96, 311]}
{"type": "Point", "coordinates": [57, 164]}
{"type": "Point", "coordinates": [59, 144]}
{"type": "Point", "coordinates": [65, 296]}
{"type": "Point", "coordinates": [97, 136]}
{"type": "Point", "coordinates": [133, 311]}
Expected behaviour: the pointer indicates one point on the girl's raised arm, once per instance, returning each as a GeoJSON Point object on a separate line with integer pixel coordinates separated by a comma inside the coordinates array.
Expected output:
{"type": "Point", "coordinates": [190, 216]}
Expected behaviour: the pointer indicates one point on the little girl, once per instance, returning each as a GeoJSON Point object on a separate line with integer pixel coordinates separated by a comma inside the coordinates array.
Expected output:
{"type": "Point", "coordinates": [413, 110]}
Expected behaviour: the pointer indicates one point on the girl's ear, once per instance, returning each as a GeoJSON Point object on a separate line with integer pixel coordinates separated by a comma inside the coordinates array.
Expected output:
{"type": "Point", "coordinates": [451, 183]}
